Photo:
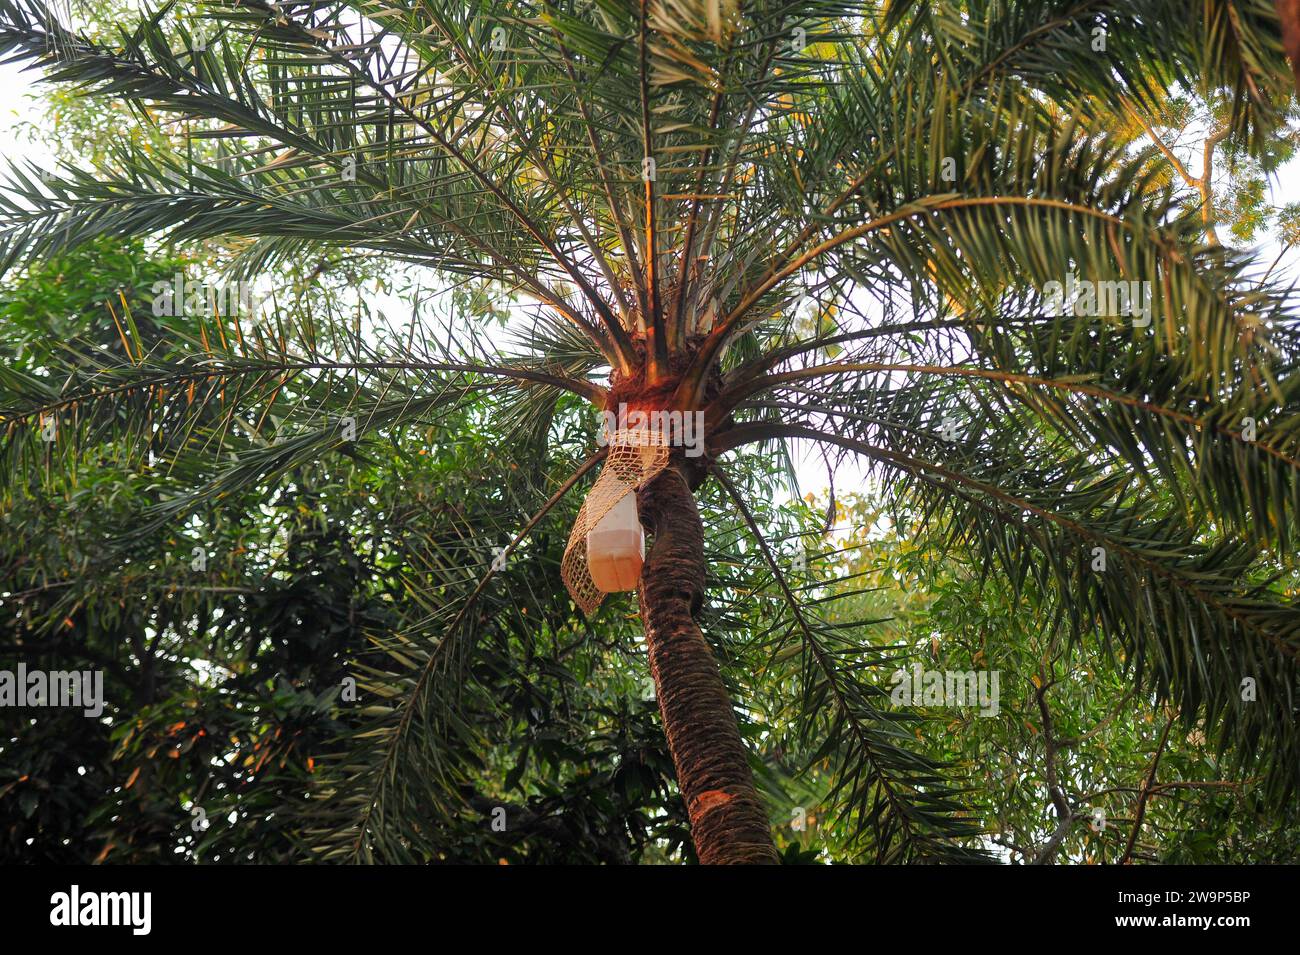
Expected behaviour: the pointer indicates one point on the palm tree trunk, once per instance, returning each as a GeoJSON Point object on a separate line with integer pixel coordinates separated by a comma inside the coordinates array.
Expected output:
{"type": "Point", "coordinates": [1288, 11]}
{"type": "Point", "coordinates": [728, 822]}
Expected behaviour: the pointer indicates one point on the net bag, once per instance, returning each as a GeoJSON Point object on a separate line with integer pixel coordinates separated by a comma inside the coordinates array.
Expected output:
{"type": "Point", "coordinates": [636, 456]}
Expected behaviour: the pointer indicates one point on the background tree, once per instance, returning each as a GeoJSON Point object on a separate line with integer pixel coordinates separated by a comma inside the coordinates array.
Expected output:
{"type": "Point", "coordinates": [1062, 766]}
{"type": "Point", "coordinates": [226, 685]}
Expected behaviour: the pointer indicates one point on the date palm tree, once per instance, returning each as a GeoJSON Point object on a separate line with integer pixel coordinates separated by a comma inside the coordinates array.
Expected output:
{"type": "Point", "coordinates": [823, 222]}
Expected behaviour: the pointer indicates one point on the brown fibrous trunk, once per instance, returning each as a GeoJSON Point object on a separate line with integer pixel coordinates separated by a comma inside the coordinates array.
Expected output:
{"type": "Point", "coordinates": [1288, 11]}
{"type": "Point", "coordinates": [728, 822]}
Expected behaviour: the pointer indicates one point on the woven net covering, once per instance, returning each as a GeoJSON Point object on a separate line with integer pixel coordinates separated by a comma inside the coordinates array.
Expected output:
{"type": "Point", "coordinates": [636, 456]}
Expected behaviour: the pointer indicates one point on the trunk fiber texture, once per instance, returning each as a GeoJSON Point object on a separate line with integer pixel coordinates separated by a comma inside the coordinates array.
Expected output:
{"type": "Point", "coordinates": [728, 822]}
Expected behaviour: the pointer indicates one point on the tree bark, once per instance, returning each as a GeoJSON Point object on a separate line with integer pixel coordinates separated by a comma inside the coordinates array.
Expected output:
{"type": "Point", "coordinates": [728, 822]}
{"type": "Point", "coordinates": [1288, 11]}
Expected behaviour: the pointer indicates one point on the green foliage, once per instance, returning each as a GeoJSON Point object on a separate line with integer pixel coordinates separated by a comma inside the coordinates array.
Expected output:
{"type": "Point", "coordinates": [1091, 737]}
{"type": "Point", "coordinates": [226, 686]}
{"type": "Point", "coordinates": [921, 171]}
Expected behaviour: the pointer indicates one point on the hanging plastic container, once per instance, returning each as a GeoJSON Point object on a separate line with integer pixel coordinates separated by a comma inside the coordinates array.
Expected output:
{"type": "Point", "coordinates": [616, 548]}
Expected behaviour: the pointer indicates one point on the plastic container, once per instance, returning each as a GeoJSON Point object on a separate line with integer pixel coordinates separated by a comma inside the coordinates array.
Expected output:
{"type": "Point", "coordinates": [616, 548]}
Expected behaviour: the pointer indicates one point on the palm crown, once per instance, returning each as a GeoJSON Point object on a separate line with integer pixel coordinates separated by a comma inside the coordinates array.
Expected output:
{"type": "Point", "coordinates": [824, 221]}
